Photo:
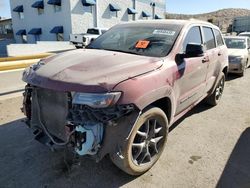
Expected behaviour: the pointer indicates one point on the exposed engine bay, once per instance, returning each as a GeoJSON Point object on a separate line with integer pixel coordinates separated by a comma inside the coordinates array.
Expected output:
{"type": "Point", "coordinates": [58, 122]}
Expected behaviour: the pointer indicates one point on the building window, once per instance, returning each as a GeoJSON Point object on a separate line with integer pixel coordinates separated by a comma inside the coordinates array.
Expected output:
{"type": "Point", "coordinates": [40, 11]}
{"type": "Point", "coordinates": [24, 38]}
{"type": "Point", "coordinates": [39, 5]}
{"type": "Point", "coordinates": [36, 32]}
{"type": "Point", "coordinates": [145, 15]}
{"type": "Point", "coordinates": [37, 37]}
{"type": "Point", "coordinates": [57, 8]}
{"type": "Point", "coordinates": [23, 35]}
{"type": "Point", "coordinates": [59, 37]}
{"type": "Point", "coordinates": [58, 31]}
{"type": "Point", "coordinates": [19, 9]}
{"type": "Point", "coordinates": [56, 4]}
{"type": "Point", "coordinates": [114, 8]}
{"type": "Point", "coordinates": [89, 3]}
{"type": "Point", "coordinates": [132, 12]}
{"type": "Point", "coordinates": [21, 15]}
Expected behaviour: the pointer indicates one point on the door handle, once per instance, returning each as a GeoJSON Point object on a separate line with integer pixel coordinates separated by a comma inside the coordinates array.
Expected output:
{"type": "Point", "coordinates": [205, 59]}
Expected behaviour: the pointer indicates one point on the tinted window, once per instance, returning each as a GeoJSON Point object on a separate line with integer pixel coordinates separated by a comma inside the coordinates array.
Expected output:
{"type": "Point", "coordinates": [236, 43]}
{"type": "Point", "coordinates": [193, 36]}
{"type": "Point", "coordinates": [218, 38]}
{"type": "Point", "coordinates": [93, 31]}
{"type": "Point", "coordinates": [209, 39]}
{"type": "Point", "coordinates": [141, 39]}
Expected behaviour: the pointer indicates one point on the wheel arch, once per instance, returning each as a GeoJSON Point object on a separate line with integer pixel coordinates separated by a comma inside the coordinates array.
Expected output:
{"type": "Point", "coordinates": [225, 71]}
{"type": "Point", "coordinates": [165, 105]}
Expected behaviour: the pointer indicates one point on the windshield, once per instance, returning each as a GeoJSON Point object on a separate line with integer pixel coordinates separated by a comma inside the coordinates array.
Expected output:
{"type": "Point", "coordinates": [235, 43]}
{"type": "Point", "coordinates": [155, 41]}
{"type": "Point", "coordinates": [93, 31]}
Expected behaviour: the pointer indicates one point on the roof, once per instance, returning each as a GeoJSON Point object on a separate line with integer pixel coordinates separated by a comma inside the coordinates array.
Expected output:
{"type": "Point", "coordinates": [170, 21]}
{"type": "Point", "coordinates": [244, 33]}
{"type": "Point", "coordinates": [236, 37]}
{"type": "Point", "coordinates": [6, 20]}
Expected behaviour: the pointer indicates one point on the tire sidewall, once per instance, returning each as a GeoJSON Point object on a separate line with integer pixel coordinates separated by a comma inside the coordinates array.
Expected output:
{"type": "Point", "coordinates": [152, 112]}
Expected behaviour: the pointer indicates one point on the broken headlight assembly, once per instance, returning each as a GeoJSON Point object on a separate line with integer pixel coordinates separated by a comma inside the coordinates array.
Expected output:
{"type": "Point", "coordinates": [96, 100]}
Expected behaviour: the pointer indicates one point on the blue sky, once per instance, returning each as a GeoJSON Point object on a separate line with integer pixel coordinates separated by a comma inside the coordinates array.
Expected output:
{"type": "Point", "coordinates": [5, 8]}
{"type": "Point", "coordinates": [173, 6]}
{"type": "Point", "coordinates": [199, 6]}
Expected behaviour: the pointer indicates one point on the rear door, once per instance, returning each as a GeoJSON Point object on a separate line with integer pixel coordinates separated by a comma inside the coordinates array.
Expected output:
{"type": "Point", "coordinates": [214, 55]}
{"type": "Point", "coordinates": [193, 73]}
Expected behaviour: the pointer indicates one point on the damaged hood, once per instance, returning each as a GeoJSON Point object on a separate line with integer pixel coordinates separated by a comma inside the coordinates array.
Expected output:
{"type": "Point", "coordinates": [89, 70]}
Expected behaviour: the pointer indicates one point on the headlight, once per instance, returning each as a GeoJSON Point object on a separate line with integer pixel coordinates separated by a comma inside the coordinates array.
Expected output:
{"type": "Point", "coordinates": [37, 65]}
{"type": "Point", "coordinates": [96, 100]}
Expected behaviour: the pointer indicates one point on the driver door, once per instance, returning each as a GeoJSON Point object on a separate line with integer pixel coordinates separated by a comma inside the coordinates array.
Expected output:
{"type": "Point", "coordinates": [193, 71]}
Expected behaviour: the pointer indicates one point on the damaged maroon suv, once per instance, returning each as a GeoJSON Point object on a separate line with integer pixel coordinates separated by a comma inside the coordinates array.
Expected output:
{"type": "Point", "coordinates": [119, 96]}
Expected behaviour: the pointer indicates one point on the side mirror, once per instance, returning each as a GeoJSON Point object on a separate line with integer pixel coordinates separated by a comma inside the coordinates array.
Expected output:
{"type": "Point", "coordinates": [194, 50]}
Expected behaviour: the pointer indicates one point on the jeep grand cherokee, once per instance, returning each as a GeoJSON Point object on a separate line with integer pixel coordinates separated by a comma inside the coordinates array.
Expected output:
{"type": "Point", "coordinates": [120, 95]}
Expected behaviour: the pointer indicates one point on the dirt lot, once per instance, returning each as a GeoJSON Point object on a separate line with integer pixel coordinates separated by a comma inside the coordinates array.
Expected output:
{"type": "Point", "coordinates": [209, 147]}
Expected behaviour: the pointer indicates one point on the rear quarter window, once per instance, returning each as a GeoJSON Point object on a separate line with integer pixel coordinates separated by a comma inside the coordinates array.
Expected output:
{"type": "Point", "coordinates": [209, 39]}
{"type": "Point", "coordinates": [218, 37]}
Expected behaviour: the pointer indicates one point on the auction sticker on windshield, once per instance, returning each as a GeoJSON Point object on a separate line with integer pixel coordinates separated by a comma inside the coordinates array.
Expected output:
{"type": "Point", "coordinates": [163, 32]}
{"type": "Point", "coordinates": [142, 44]}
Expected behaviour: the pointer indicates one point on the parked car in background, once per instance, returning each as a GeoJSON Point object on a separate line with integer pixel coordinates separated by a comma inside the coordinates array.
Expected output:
{"type": "Point", "coordinates": [81, 40]}
{"type": "Point", "coordinates": [119, 96]}
{"type": "Point", "coordinates": [245, 34]}
{"type": "Point", "coordinates": [239, 54]}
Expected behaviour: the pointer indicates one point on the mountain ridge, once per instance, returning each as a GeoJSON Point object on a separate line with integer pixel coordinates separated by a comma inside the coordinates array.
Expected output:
{"type": "Point", "coordinates": [222, 18]}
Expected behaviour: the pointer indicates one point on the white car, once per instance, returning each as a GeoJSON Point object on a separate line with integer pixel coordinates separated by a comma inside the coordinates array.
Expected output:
{"type": "Point", "coordinates": [244, 34]}
{"type": "Point", "coordinates": [239, 53]}
{"type": "Point", "coordinates": [81, 40]}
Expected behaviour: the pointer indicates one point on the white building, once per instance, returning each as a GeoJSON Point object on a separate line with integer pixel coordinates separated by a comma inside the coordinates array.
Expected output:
{"type": "Point", "coordinates": [241, 24]}
{"type": "Point", "coordinates": [51, 20]}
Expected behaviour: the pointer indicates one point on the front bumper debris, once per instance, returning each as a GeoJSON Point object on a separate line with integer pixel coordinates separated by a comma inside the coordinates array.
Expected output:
{"type": "Point", "coordinates": [58, 122]}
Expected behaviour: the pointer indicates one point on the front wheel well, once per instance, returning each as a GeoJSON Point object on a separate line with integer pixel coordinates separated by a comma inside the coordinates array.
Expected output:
{"type": "Point", "coordinates": [165, 105]}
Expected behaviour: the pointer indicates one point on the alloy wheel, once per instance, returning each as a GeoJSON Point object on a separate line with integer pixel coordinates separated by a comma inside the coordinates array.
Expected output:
{"type": "Point", "coordinates": [148, 142]}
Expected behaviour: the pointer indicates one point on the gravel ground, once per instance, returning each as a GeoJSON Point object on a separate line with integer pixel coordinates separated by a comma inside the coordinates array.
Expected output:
{"type": "Point", "coordinates": [209, 147]}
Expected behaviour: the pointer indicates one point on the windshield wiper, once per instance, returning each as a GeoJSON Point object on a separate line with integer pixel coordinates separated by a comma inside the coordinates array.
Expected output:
{"type": "Point", "coordinates": [127, 52]}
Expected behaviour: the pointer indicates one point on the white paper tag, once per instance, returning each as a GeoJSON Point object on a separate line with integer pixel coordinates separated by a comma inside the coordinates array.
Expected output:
{"type": "Point", "coordinates": [163, 32]}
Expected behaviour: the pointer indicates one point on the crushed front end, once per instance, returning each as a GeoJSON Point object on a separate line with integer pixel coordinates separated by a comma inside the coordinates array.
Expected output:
{"type": "Point", "coordinates": [67, 119]}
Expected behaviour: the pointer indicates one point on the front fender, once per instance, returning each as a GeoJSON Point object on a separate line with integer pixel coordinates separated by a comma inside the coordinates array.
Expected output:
{"type": "Point", "coordinates": [145, 90]}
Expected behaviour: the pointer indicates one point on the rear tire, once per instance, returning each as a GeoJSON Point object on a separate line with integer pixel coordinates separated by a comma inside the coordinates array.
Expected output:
{"type": "Point", "coordinates": [145, 144]}
{"type": "Point", "coordinates": [214, 99]}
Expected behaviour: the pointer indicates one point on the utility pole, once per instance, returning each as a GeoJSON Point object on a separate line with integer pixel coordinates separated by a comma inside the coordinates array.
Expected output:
{"type": "Point", "coordinates": [153, 9]}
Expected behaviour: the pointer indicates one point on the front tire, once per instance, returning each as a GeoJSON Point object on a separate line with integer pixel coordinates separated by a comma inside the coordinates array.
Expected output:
{"type": "Point", "coordinates": [145, 144]}
{"type": "Point", "coordinates": [214, 99]}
